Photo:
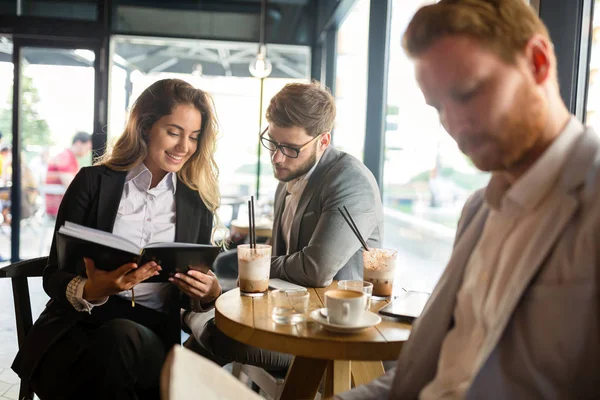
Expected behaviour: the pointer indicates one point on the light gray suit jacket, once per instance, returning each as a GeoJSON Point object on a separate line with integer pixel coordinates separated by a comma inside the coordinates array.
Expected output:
{"type": "Point", "coordinates": [322, 246]}
{"type": "Point", "coordinates": [547, 340]}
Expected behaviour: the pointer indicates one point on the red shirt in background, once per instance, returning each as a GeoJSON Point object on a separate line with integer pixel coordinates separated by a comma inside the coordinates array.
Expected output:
{"type": "Point", "coordinates": [65, 162]}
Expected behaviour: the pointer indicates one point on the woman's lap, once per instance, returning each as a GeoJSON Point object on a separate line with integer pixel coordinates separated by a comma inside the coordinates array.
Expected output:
{"type": "Point", "coordinates": [119, 358]}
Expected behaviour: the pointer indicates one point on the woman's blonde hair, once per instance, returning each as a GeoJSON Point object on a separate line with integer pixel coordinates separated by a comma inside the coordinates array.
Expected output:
{"type": "Point", "coordinates": [200, 172]}
{"type": "Point", "coordinates": [504, 26]}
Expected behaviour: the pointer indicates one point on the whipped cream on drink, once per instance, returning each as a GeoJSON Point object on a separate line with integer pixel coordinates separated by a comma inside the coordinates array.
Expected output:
{"type": "Point", "coordinates": [254, 266]}
{"type": "Point", "coordinates": [379, 268]}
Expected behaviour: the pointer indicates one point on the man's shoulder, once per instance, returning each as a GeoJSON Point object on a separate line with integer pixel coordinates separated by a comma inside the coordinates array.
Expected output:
{"type": "Point", "coordinates": [345, 163]}
{"type": "Point", "coordinates": [476, 199]}
{"type": "Point", "coordinates": [583, 166]}
{"type": "Point", "coordinates": [345, 175]}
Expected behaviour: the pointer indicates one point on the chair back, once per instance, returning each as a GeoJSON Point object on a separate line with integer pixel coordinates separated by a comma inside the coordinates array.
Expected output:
{"type": "Point", "coordinates": [25, 269]}
{"type": "Point", "coordinates": [226, 269]}
{"type": "Point", "coordinates": [19, 272]}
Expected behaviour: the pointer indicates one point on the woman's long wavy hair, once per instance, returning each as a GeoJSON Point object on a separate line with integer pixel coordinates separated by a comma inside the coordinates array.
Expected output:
{"type": "Point", "coordinates": [200, 172]}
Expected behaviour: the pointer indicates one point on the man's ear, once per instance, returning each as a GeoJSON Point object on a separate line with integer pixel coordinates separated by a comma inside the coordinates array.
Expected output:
{"type": "Point", "coordinates": [325, 140]}
{"type": "Point", "coordinates": [538, 52]}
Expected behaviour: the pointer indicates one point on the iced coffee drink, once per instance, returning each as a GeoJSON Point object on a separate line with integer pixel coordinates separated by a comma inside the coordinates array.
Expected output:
{"type": "Point", "coordinates": [379, 267]}
{"type": "Point", "coordinates": [254, 266]}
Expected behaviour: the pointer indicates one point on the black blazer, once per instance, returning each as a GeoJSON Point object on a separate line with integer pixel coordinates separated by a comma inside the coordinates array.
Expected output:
{"type": "Point", "coordinates": [92, 200]}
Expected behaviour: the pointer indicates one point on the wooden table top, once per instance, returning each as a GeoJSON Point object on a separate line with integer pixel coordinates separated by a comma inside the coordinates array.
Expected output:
{"type": "Point", "coordinates": [247, 319]}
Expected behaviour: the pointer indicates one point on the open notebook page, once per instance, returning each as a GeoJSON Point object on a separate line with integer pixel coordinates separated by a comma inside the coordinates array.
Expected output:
{"type": "Point", "coordinates": [100, 237]}
{"type": "Point", "coordinates": [175, 244]}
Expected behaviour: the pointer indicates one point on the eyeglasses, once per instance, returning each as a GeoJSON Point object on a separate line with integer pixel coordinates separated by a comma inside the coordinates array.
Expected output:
{"type": "Point", "coordinates": [288, 151]}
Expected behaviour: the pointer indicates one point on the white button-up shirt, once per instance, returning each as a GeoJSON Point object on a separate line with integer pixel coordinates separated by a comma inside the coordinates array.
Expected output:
{"type": "Point", "coordinates": [145, 216]}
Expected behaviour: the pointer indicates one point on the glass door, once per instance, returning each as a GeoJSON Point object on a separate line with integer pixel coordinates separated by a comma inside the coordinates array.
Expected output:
{"type": "Point", "coordinates": [54, 105]}
{"type": "Point", "coordinates": [48, 94]}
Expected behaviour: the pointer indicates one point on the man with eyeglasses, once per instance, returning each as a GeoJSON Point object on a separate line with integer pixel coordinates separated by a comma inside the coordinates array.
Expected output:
{"type": "Point", "coordinates": [312, 244]}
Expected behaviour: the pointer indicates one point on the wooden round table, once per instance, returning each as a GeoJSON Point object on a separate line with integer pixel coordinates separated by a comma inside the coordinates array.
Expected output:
{"type": "Point", "coordinates": [343, 358]}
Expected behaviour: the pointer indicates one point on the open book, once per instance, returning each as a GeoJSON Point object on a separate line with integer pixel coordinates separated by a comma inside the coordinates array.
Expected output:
{"type": "Point", "coordinates": [109, 252]}
{"type": "Point", "coordinates": [188, 376]}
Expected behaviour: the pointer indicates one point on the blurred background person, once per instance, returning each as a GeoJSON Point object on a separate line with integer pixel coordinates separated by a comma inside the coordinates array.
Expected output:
{"type": "Point", "coordinates": [62, 170]}
{"type": "Point", "coordinates": [5, 165]}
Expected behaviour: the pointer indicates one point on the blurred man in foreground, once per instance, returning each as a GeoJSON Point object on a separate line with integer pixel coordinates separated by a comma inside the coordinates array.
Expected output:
{"type": "Point", "coordinates": [515, 314]}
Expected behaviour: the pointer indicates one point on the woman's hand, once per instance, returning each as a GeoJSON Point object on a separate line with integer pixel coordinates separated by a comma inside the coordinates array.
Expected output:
{"type": "Point", "coordinates": [198, 285]}
{"type": "Point", "coordinates": [101, 284]}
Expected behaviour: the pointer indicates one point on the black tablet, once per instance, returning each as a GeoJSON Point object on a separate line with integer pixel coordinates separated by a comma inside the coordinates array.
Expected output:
{"type": "Point", "coordinates": [407, 306]}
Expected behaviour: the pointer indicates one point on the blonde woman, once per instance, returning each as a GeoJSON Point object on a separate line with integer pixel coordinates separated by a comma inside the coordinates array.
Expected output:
{"type": "Point", "coordinates": [159, 183]}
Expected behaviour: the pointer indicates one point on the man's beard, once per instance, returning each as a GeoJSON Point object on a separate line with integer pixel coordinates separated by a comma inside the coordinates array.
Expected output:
{"type": "Point", "coordinates": [301, 170]}
{"type": "Point", "coordinates": [521, 128]}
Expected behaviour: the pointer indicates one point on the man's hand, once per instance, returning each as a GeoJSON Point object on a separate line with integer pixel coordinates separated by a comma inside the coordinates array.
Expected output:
{"type": "Point", "coordinates": [101, 284]}
{"type": "Point", "coordinates": [198, 285]}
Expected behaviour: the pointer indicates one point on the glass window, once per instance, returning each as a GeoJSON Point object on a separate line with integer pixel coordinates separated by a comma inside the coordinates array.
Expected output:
{"type": "Point", "coordinates": [593, 100]}
{"type": "Point", "coordinates": [6, 114]}
{"type": "Point", "coordinates": [8, 7]}
{"type": "Point", "coordinates": [222, 20]}
{"type": "Point", "coordinates": [351, 80]}
{"type": "Point", "coordinates": [426, 178]}
{"type": "Point", "coordinates": [221, 69]}
{"type": "Point", "coordinates": [54, 147]}
{"type": "Point", "coordinates": [52, 81]}
{"type": "Point", "coordinates": [74, 9]}
{"type": "Point", "coordinates": [8, 334]}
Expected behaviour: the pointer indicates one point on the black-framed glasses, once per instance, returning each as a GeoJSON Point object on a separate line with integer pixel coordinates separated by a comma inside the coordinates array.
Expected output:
{"type": "Point", "coordinates": [288, 151]}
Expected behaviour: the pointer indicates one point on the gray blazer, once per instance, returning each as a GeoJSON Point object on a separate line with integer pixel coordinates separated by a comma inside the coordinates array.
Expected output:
{"type": "Point", "coordinates": [547, 341]}
{"type": "Point", "coordinates": [322, 246]}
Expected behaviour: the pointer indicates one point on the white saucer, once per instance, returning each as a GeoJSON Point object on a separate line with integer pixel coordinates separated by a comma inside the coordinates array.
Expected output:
{"type": "Point", "coordinates": [368, 320]}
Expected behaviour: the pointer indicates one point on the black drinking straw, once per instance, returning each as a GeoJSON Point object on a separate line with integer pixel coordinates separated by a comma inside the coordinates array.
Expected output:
{"type": "Point", "coordinates": [250, 222]}
{"type": "Point", "coordinates": [353, 227]}
{"type": "Point", "coordinates": [253, 227]}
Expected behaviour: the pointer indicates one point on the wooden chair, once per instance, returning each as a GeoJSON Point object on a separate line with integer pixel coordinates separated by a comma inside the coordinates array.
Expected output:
{"type": "Point", "coordinates": [270, 385]}
{"type": "Point", "coordinates": [19, 272]}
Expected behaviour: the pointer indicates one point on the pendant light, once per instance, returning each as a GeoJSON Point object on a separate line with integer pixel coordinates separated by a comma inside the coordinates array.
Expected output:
{"type": "Point", "coordinates": [260, 66]}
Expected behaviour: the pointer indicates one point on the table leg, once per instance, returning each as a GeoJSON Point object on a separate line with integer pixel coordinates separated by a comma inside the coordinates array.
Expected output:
{"type": "Point", "coordinates": [337, 378]}
{"type": "Point", "coordinates": [365, 371]}
{"type": "Point", "coordinates": [303, 378]}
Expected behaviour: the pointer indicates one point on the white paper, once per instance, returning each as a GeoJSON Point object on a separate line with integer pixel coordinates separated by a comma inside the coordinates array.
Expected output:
{"type": "Point", "coordinates": [188, 376]}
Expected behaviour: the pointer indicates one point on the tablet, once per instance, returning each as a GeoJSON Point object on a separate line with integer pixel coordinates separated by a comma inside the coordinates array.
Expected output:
{"type": "Point", "coordinates": [284, 285]}
{"type": "Point", "coordinates": [408, 306]}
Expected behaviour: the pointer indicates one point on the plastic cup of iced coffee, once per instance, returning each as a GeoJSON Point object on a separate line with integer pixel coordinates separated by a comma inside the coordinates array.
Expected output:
{"type": "Point", "coordinates": [254, 267]}
{"type": "Point", "coordinates": [379, 267]}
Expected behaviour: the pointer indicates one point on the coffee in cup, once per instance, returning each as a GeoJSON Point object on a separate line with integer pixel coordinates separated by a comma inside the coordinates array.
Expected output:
{"type": "Point", "coordinates": [358, 286]}
{"type": "Point", "coordinates": [345, 307]}
{"type": "Point", "coordinates": [379, 267]}
{"type": "Point", "coordinates": [254, 267]}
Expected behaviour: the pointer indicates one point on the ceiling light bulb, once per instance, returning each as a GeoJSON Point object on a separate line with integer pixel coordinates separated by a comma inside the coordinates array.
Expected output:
{"type": "Point", "coordinates": [197, 71]}
{"type": "Point", "coordinates": [260, 67]}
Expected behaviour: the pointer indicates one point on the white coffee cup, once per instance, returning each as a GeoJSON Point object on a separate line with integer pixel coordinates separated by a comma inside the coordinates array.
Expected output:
{"type": "Point", "coordinates": [345, 307]}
